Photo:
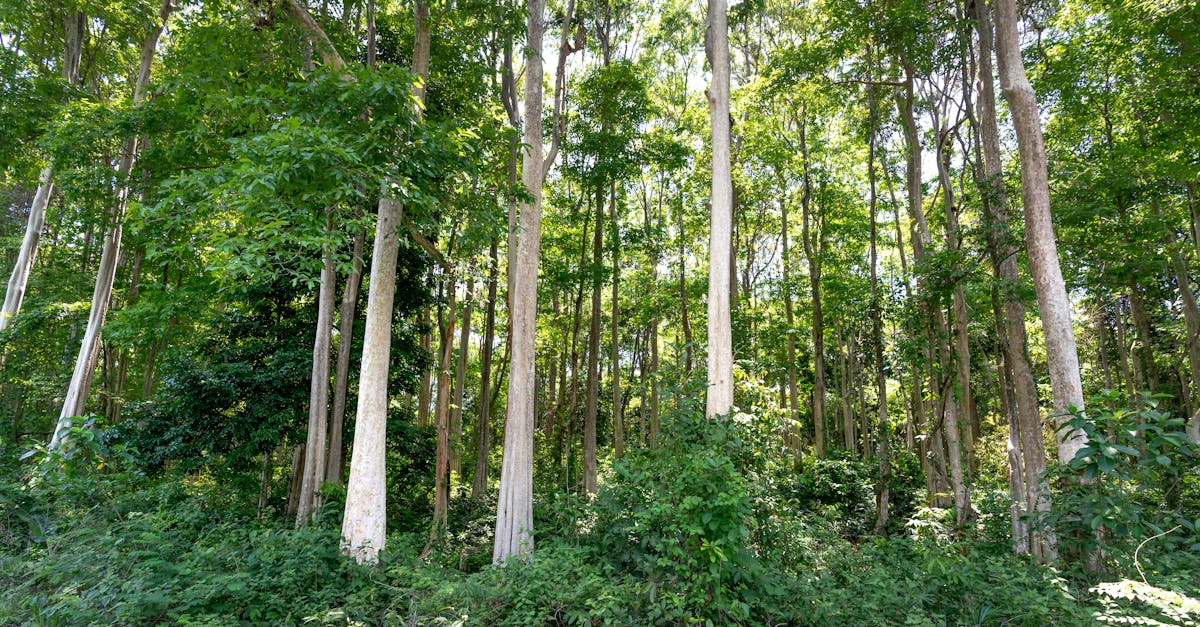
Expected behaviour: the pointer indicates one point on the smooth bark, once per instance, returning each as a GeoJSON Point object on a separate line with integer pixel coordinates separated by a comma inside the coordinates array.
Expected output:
{"type": "Point", "coordinates": [1054, 306]}
{"type": "Point", "coordinates": [720, 246]}
{"type": "Point", "coordinates": [514, 510]}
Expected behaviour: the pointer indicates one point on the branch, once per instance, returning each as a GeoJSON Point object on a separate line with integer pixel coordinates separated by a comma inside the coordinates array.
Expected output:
{"type": "Point", "coordinates": [317, 36]}
{"type": "Point", "coordinates": [564, 50]}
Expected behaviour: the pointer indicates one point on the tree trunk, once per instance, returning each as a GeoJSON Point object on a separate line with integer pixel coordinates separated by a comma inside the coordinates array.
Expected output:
{"type": "Point", "coordinates": [593, 355]}
{"type": "Point", "coordinates": [364, 522]}
{"type": "Point", "coordinates": [483, 427]}
{"type": "Point", "coordinates": [720, 338]}
{"type": "Point", "coordinates": [460, 381]}
{"type": "Point", "coordinates": [960, 353]}
{"type": "Point", "coordinates": [425, 392]}
{"type": "Point", "coordinates": [441, 414]}
{"type": "Point", "coordinates": [615, 332]}
{"type": "Point", "coordinates": [1053, 303]}
{"type": "Point", "coordinates": [514, 511]}
{"type": "Point", "coordinates": [74, 28]}
{"type": "Point", "coordinates": [683, 308]}
{"type": "Point", "coordinates": [882, 495]}
{"type": "Point", "coordinates": [811, 253]}
{"type": "Point", "coordinates": [335, 468]}
{"type": "Point", "coordinates": [318, 397]}
{"type": "Point", "coordinates": [15, 293]}
{"type": "Point", "coordinates": [85, 363]}
{"type": "Point", "coordinates": [1026, 448]}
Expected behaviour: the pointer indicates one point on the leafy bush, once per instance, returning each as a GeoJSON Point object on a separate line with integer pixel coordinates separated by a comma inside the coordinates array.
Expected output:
{"type": "Point", "coordinates": [1124, 487]}
{"type": "Point", "coordinates": [678, 518]}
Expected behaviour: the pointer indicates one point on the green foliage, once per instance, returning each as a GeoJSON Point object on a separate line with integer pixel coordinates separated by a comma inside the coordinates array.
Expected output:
{"type": "Point", "coordinates": [1124, 487]}
{"type": "Point", "coordinates": [678, 517]}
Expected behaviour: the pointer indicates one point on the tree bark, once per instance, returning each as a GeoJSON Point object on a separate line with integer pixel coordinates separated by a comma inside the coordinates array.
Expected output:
{"type": "Point", "coordinates": [335, 469]}
{"type": "Point", "coordinates": [318, 397]}
{"type": "Point", "coordinates": [720, 338]}
{"type": "Point", "coordinates": [593, 356]}
{"type": "Point", "coordinates": [441, 413]}
{"type": "Point", "coordinates": [1053, 303]}
{"type": "Point", "coordinates": [364, 522]}
{"type": "Point", "coordinates": [615, 333]}
{"type": "Point", "coordinates": [74, 28]}
{"type": "Point", "coordinates": [460, 381]}
{"type": "Point", "coordinates": [514, 510]}
{"type": "Point", "coordinates": [85, 363]}
{"type": "Point", "coordinates": [1026, 448]}
{"type": "Point", "coordinates": [812, 252]}
{"type": "Point", "coordinates": [483, 427]}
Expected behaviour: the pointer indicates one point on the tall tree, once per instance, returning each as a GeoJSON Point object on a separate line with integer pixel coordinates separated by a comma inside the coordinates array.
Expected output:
{"type": "Point", "coordinates": [1054, 306]}
{"type": "Point", "coordinates": [364, 520]}
{"type": "Point", "coordinates": [514, 509]}
{"type": "Point", "coordinates": [720, 332]}
{"type": "Point", "coordinates": [89, 349]}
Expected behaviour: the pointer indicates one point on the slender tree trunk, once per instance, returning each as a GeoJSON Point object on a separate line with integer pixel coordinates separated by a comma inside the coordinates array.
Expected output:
{"type": "Point", "coordinates": [593, 357]}
{"type": "Point", "coordinates": [460, 381]}
{"type": "Point", "coordinates": [364, 522]}
{"type": "Point", "coordinates": [441, 415]}
{"type": "Point", "coordinates": [335, 469]}
{"type": "Point", "coordinates": [791, 398]}
{"type": "Point", "coordinates": [1053, 304]}
{"type": "Point", "coordinates": [683, 307]}
{"type": "Point", "coordinates": [483, 427]}
{"type": "Point", "coordinates": [425, 392]}
{"type": "Point", "coordinates": [957, 410]}
{"type": "Point", "coordinates": [615, 332]}
{"type": "Point", "coordinates": [1141, 323]}
{"type": "Point", "coordinates": [318, 397]}
{"type": "Point", "coordinates": [15, 293]}
{"type": "Point", "coordinates": [814, 280]}
{"type": "Point", "coordinates": [85, 363]}
{"type": "Point", "coordinates": [74, 29]}
{"type": "Point", "coordinates": [514, 515]}
{"type": "Point", "coordinates": [720, 339]}
{"type": "Point", "coordinates": [1026, 448]}
{"type": "Point", "coordinates": [882, 495]}
{"type": "Point", "coordinates": [294, 480]}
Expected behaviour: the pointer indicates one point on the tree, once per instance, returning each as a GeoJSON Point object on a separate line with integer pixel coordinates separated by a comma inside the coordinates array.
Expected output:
{"type": "Point", "coordinates": [720, 338]}
{"type": "Point", "coordinates": [514, 510]}
{"type": "Point", "coordinates": [89, 349]}
{"type": "Point", "coordinates": [1053, 305]}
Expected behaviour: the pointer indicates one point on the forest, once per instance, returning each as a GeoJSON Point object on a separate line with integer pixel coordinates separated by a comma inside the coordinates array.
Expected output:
{"type": "Point", "coordinates": [600, 312]}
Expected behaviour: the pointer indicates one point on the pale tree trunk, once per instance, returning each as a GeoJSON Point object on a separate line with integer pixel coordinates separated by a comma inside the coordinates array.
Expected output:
{"type": "Point", "coordinates": [683, 308]}
{"type": "Point", "coordinates": [364, 521]}
{"type": "Point", "coordinates": [720, 245]}
{"type": "Point", "coordinates": [483, 428]}
{"type": "Point", "coordinates": [1026, 448]}
{"type": "Point", "coordinates": [1053, 304]}
{"type": "Point", "coordinates": [15, 293]}
{"type": "Point", "coordinates": [514, 509]}
{"type": "Point", "coordinates": [318, 397]}
{"type": "Point", "coordinates": [85, 363]}
{"type": "Point", "coordinates": [74, 29]}
{"type": "Point", "coordinates": [1191, 317]}
{"type": "Point", "coordinates": [933, 454]}
{"type": "Point", "coordinates": [593, 357]}
{"type": "Point", "coordinates": [335, 468]}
